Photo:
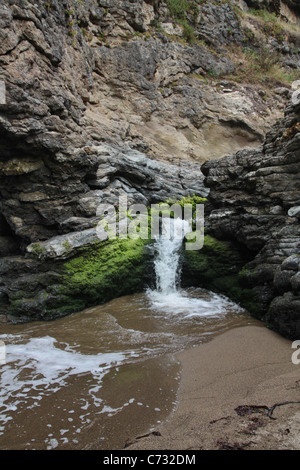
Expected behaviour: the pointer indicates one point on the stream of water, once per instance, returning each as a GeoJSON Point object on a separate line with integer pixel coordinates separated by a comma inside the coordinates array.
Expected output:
{"type": "Point", "coordinates": [99, 378]}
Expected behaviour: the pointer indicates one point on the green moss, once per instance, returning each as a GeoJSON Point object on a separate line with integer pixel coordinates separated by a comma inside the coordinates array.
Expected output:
{"type": "Point", "coordinates": [216, 259]}
{"type": "Point", "coordinates": [67, 246]}
{"type": "Point", "coordinates": [193, 200]}
{"type": "Point", "coordinates": [220, 248]}
{"type": "Point", "coordinates": [15, 296]}
{"type": "Point", "coordinates": [38, 250]}
{"type": "Point", "coordinates": [65, 305]}
{"type": "Point", "coordinates": [104, 271]}
{"type": "Point", "coordinates": [219, 266]}
{"type": "Point", "coordinates": [230, 286]}
{"type": "Point", "coordinates": [15, 307]}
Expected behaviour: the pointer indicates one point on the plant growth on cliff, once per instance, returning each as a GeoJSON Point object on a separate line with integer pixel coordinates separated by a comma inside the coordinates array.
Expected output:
{"type": "Point", "coordinates": [185, 13]}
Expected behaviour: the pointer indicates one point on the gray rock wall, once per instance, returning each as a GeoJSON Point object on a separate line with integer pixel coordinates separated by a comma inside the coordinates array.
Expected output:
{"type": "Point", "coordinates": [255, 197]}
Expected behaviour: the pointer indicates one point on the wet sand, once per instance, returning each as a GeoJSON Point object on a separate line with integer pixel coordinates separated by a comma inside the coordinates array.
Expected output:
{"type": "Point", "coordinates": [227, 391]}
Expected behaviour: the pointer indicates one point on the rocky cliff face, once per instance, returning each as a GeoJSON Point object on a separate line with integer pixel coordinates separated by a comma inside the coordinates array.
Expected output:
{"type": "Point", "coordinates": [107, 98]}
{"type": "Point", "coordinates": [255, 201]}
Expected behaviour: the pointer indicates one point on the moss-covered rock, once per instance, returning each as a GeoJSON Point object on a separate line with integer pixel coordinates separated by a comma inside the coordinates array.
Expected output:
{"type": "Point", "coordinates": [215, 260]}
{"type": "Point", "coordinates": [93, 275]}
{"type": "Point", "coordinates": [104, 271]}
{"type": "Point", "coordinates": [220, 267]}
{"type": "Point", "coordinates": [88, 275]}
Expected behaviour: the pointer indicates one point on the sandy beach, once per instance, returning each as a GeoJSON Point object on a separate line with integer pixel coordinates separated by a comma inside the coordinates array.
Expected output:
{"type": "Point", "coordinates": [234, 394]}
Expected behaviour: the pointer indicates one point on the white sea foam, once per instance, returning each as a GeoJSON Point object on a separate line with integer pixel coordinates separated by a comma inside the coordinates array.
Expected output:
{"type": "Point", "coordinates": [45, 369]}
{"type": "Point", "coordinates": [181, 305]}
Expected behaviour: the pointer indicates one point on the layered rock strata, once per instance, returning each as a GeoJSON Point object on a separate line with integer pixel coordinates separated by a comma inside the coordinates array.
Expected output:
{"type": "Point", "coordinates": [255, 201]}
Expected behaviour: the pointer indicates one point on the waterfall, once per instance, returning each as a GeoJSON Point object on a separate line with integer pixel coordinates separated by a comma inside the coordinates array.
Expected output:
{"type": "Point", "coordinates": [167, 259]}
{"type": "Point", "coordinates": [168, 298]}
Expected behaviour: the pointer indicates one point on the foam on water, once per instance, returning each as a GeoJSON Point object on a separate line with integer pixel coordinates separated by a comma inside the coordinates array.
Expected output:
{"type": "Point", "coordinates": [181, 305]}
{"type": "Point", "coordinates": [46, 369]}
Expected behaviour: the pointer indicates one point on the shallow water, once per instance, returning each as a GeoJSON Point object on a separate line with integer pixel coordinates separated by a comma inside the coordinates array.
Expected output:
{"type": "Point", "coordinates": [99, 378]}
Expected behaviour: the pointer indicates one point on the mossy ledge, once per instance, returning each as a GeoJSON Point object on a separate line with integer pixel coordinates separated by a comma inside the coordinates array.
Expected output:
{"type": "Point", "coordinates": [93, 275]}
{"type": "Point", "coordinates": [106, 270]}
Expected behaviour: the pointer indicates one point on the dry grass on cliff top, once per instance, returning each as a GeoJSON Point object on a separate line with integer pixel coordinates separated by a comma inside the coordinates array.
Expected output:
{"type": "Point", "coordinates": [263, 67]}
{"type": "Point", "coordinates": [258, 63]}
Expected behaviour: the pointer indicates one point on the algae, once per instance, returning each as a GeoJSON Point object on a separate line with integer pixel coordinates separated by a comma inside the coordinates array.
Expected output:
{"type": "Point", "coordinates": [105, 270]}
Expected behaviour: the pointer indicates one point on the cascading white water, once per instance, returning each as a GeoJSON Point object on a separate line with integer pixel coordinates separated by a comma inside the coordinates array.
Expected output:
{"type": "Point", "coordinates": [168, 297]}
{"type": "Point", "coordinates": [167, 247]}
